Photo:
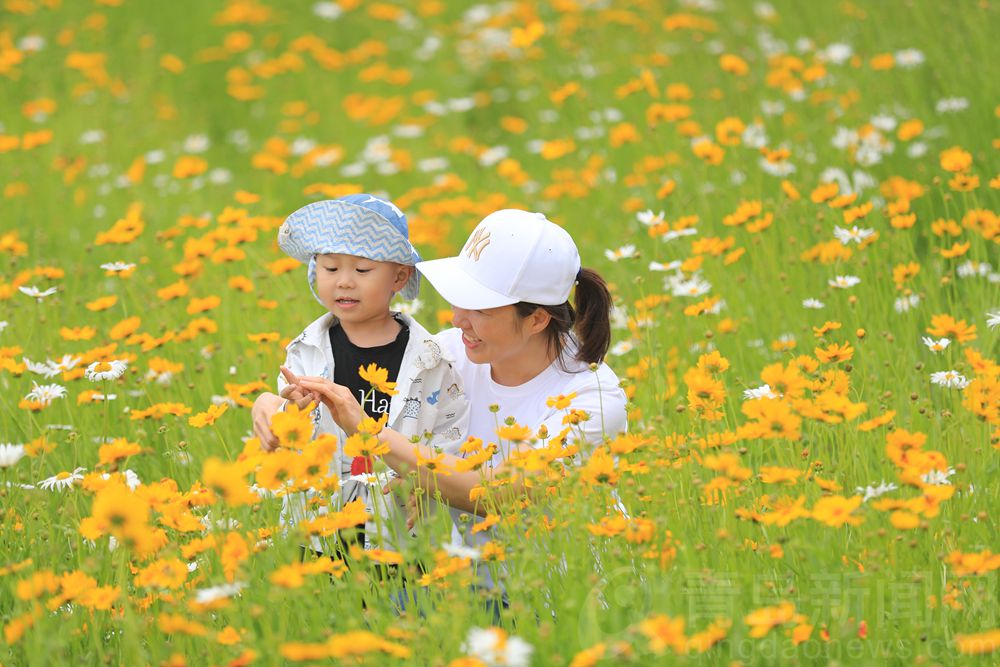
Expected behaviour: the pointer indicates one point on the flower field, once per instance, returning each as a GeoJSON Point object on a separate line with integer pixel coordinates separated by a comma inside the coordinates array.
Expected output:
{"type": "Point", "coordinates": [797, 208]}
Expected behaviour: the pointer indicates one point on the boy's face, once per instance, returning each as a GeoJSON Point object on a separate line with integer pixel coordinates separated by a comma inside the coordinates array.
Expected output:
{"type": "Point", "coordinates": [358, 290]}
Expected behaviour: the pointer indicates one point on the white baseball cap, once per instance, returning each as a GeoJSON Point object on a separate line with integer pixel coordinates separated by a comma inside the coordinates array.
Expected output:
{"type": "Point", "coordinates": [511, 256]}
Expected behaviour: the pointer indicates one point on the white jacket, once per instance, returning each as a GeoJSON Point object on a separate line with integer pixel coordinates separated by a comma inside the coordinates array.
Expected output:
{"type": "Point", "coordinates": [430, 404]}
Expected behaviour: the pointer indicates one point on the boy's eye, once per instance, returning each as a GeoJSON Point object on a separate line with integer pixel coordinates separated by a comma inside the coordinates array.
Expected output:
{"type": "Point", "coordinates": [331, 269]}
{"type": "Point", "coordinates": [363, 270]}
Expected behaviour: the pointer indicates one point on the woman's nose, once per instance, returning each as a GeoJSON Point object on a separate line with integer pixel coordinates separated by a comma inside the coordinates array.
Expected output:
{"type": "Point", "coordinates": [459, 316]}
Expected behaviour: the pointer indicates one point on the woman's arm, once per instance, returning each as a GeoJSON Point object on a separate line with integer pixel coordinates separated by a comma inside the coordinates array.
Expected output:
{"type": "Point", "coordinates": [402, 455]}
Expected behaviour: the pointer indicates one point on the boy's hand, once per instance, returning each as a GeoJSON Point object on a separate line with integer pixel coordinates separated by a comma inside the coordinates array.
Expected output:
{"type": "Point", "coordinates": [294, 392]}
{"type": "Point", "coordinates": [263, 409]}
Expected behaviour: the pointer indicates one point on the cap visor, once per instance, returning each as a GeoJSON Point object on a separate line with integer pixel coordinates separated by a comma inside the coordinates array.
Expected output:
{"type": "Point", "coordinates": [459, 288]}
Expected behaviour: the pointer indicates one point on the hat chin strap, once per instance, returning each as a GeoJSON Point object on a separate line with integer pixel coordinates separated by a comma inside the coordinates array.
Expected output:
{"type": "Point", "coordinates": [312, 280]}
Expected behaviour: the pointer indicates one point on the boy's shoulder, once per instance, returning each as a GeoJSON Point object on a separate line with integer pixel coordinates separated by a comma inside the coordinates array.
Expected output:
{"type": "Point", "coordinates": [426, 350]}
{"type": "Point", "coordinates": [315, 333]}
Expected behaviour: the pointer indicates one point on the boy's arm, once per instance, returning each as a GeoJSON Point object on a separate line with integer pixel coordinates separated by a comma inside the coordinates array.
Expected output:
{"type": "Point", "coordinates": [267, 404]}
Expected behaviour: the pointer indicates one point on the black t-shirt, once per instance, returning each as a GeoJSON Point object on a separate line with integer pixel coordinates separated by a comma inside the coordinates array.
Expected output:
{"type": "Point", "coordinates": [348, 358]}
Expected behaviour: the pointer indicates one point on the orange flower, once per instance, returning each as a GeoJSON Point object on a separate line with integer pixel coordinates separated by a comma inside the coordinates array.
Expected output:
{"type": "Point", "coordinates": [378, 378]}
{"type": "Point", "coordinates": [835, 511]}
{"type": "Point", "coordinates": [946, 325]}
{"type": "Point", "coordinates": [955, 159]}
{"type": "Point", "coordinates": [203, 419]}
{"type": "Point", "coordinates": [102, 303]}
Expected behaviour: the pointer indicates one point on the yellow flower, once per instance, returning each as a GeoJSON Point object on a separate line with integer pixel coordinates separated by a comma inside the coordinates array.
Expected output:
{"type": "Point", "coordinates": [600, 468]}
{"type": "Point", "coordinates": [561, 401]}
{"type": "Point", "coordinates": [435, 464]}
{"type": "Point", "coordinates": [227, 480]}
{"type": "Point", "coordinates": [663, 632]}
{"type": "Point", "coordinates": [777, 475]}
{"type": "Point", "coordinates": [978, 644]}
{"type": "Point", "coordinates": [371, 426]}
{"type": "Point", "coordinates": [955, 159]}
{"type": "Point", "coordinates": [835, 511]}
{"type": "Point", "coordinates": [378, 378]}
{"type": "Point", "coordinates": [203, 419]}
{"type": "Point", "coordinates": [292, 427]}
{"type": "Point", "coordinates": [763, 620]}
{"type": "Point", "coordinates": [102, 303]}
{"type": "Point", "coordinates": [362, 444]}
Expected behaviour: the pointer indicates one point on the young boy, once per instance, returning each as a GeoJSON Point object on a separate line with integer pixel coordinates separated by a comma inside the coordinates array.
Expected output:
{"type": "Point", "coordinates": [359, 256]}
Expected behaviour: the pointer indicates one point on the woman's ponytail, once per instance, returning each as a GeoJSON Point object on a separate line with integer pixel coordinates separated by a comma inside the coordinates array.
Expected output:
{"type": "Point", "coordinates": [593, 317]}
{"type": "Point", "coordinates": [589, 320]}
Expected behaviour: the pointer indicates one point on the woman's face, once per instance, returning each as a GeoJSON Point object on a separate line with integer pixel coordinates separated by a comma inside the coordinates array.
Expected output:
{"type": "Point", "coordinates": [493, 335]}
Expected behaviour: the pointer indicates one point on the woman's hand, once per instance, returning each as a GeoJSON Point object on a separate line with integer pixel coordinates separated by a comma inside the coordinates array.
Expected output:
{"type": "Point", "coordinates": [393, 488]}
{"type": "Point", "coordinates": [343, 406]}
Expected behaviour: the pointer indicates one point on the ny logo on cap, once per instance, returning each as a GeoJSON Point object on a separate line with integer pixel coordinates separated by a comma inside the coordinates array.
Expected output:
{"type": "Point", "coordinates": [477, 244]}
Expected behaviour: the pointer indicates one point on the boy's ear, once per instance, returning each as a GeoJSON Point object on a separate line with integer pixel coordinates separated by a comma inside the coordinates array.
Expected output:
{"type": "Point", "coordinates": [403, 275]}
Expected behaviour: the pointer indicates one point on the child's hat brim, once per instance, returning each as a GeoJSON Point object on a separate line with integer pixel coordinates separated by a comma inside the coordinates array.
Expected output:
{"type": "Point", "coordinates": [359, 225]}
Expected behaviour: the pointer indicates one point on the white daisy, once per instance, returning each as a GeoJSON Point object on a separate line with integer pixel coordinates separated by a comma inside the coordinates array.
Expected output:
{"type": "Point", "coordinates": [196, 143]}
{"type": "Point", "coordinates": [844, 282]}
{"type": "Point", "coordinates": [622, 347]}
{"type": "Point", "coordinates": [649, 218]}
{"type": "Point", "coordinates": [33, 291]}
{"type": "Point", "coordinates": [117, 267]}
{"type": "Point", "coordinates": [677, 233]}
{"type": "Point", "coordinates": [494, 646]}
{"type": "Point", "coordinates": [3, 325]}
{"type": "Point", "coordinates": [106, 370]}
{"type": "Point", "coordinates": [669, 266]}
{"type": "Point", "coordinates": [214, 593]}
{"type": "Point", "coordinates": [909, 58]}
{"type": "Point", "coordinates": [937, 477]}
{"type": "Point", "coordinates": [905, 303]}
{"type": "Point", "coordinates": [329, 11]}
{"type": "Point", "coordinates": [936, 345]}
{"type": "Point", "coordinates": [814, 304]}
{"type": "Point", "coordinates": [67, 363]}
{"type": "Point", "coordinates": [837, 53]}
{"type": "Point", "coordinates": [950, 379]}
{"type": "Point", "coordinates": [624, 252]}
{"type": "Point", "coordinates": [45, 393]}
{"type": "Point", "coordinates": [694, 286]}
{"type": "Point", "coordinates": [854, 234]}
{"type": "Point", "coordinates": [763, 391]}
{"type": "Point", "coordinates": [461, 551]}
{"type": "Point", "coordinates": [993, 320]}
{"type": "Point", "coordinates": [10, 454]}
{"type": "Point", "coordinates": [875, 491]}
{"type": "Point", "coordinates": [971, 269]}
{"type": "Point", "coordinates": [45, 369]}
{"type": "Point", "coordinates": [951, 105]}
{"type": "Point", "coordinates": [62, 480]}
{"type": "Point", "coordinates": [410, 308]}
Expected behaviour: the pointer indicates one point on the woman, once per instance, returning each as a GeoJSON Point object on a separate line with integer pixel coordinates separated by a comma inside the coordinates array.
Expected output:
{"type": "Point", "coordinates": [517, 343]}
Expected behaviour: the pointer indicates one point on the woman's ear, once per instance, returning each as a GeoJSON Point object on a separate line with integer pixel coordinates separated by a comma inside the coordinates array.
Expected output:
{"type": "Point", "coordinates": [539, 320]}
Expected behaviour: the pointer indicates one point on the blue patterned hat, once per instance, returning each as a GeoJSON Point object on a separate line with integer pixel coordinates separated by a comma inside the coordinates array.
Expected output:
{"type": "Point", "coordinates": [361, 225]}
